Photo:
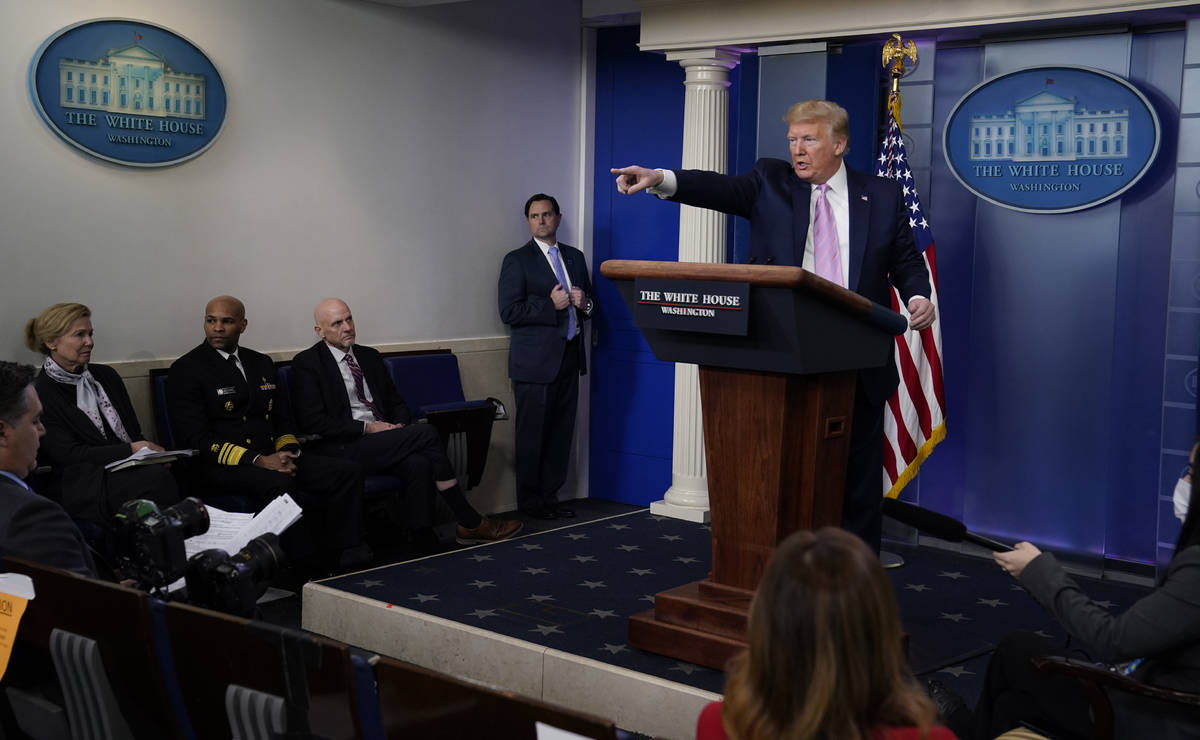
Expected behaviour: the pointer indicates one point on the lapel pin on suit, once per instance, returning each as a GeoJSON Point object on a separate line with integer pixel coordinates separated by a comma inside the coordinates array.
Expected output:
{"type": "Point", "coordinates": [865, 197]}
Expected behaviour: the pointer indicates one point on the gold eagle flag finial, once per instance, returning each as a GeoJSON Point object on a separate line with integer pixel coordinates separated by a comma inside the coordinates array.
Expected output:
{"type": "Point", "coordinates": [894, 53]}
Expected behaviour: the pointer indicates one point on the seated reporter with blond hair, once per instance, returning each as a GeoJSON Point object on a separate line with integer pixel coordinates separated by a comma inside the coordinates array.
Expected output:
{"type": "Point", "coordinates": [825, 658]}
{"type": "Point", "coordinates": [89, 422]}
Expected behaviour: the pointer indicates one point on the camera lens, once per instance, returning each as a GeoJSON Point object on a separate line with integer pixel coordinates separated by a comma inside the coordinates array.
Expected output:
{"type": "Point", "coordinates": [189, 515]}
{"type": "Point", "coordinates": [261, 556]}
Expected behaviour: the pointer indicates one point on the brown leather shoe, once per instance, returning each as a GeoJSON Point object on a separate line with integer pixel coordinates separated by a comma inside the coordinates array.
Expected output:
{"type": "Point", "coordinates": [489, 530]}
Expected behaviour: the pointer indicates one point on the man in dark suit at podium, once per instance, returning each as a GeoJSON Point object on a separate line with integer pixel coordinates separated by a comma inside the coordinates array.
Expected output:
{"type": "Point", "coordinates": [545, 296]}
{"type": "Point", "coordinates": [31, 526]}
{"type": "Point", "coordinates": [845, 226]}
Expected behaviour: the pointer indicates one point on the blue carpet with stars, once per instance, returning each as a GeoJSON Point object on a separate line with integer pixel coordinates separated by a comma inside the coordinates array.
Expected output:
{"type": "Point", "coordinates": [572, 588]}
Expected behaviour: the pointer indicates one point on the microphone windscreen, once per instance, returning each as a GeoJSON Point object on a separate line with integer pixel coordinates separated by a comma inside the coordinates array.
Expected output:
{"type": "Point", "coordinates": [924, 520]}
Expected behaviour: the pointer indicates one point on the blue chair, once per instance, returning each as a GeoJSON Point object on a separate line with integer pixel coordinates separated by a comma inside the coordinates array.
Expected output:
{"type": "Point", "coordinates": [432, 387]}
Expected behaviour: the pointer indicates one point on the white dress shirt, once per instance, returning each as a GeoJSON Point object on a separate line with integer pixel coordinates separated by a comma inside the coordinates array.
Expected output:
{"type": "Point", "coordinates": [546, 253]}
{"type": "Point", "coordinates": [237, 361]}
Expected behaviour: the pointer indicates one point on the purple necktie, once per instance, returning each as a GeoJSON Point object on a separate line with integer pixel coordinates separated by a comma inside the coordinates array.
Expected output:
{"type": "Point", "coordinates": [562, 280]}
{"type": "Point", "coordinates": [359, 388]}
{"type": "Point", "coordinates": [826, 260]}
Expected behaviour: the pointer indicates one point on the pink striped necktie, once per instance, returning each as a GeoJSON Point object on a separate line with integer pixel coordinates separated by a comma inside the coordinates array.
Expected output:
{"type": "Point", "coordinates": [826, 260]}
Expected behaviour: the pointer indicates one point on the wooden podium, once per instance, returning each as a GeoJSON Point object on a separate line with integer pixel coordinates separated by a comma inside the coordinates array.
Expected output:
{"type": "Point", "coordinates": [777, 409]}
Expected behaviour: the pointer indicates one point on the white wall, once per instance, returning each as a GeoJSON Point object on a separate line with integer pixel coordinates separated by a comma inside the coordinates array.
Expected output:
{"type": "Point", "coordinates": [376, 153]}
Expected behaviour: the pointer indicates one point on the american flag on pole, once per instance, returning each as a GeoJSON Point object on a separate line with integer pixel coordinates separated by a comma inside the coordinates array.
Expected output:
{"type": "Point", "coordinates": [914, 421]}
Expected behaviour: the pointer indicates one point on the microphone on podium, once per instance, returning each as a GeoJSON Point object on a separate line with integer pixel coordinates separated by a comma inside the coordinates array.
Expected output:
{"type": "Point", "coordinates": [938, 525]}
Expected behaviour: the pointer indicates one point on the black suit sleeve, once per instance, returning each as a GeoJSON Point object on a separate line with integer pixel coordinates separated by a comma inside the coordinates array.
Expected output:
{"type": "Point", "coordinates": [1165, 619]}
{"type": "Point", "coordinates": [39, 530]}
{"type": "Point", "coordinates": [518, 307]}
{"type": "Point", "coordinates": [732, 194]}
{"type": "Point", "coordinates": [313, 413]}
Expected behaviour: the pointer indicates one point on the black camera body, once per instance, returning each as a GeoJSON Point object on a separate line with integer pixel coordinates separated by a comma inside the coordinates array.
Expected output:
{"type": "Point", "coordinates": [233, 583]}
{"type": "Point", "coordinates": [149, 541]}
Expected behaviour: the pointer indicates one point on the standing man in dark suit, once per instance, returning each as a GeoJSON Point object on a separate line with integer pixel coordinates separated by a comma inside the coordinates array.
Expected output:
{"type": "Point", "coordinates": [845, 226]}
{"type": "Point", "coordinates": [545, 296]}
{"type": "Point", "coordinates": [31, 526]}
{"type": "Point", "coordinates": [343, 392]}
{"type": "Point", "coordinates": [224, 401]}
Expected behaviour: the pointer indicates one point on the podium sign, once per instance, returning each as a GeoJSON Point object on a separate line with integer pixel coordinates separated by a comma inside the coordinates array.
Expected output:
{"type": "Point", "coordinates": [692, 305]}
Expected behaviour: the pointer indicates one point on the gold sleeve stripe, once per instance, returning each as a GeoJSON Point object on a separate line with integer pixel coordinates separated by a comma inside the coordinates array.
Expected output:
{"type": "Point", "coordinates": [230, 454]}
{"type": "Point", "coordinates": [285, 440]}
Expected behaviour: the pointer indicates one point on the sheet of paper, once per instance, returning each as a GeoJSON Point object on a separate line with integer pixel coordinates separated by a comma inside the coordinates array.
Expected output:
{"type": "Point", "coordinates": [547, 732]}
{"type": "Point", "coordinates": [223, 530]}
{"type": "Point", "coordinates": [15, 592]}
{"type": "Point", "coordinates": [276, 517]}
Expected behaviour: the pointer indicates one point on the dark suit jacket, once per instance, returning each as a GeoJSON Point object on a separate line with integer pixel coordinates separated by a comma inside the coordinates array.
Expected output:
{"type": "Point", "coordinates": [74, 448]}
{"type": "Point", "coordinates": [228, 418]}
{"type": "Point", "coordinates": [539, 332]}
{"type": "Point", "coordinates": [882, 250]}
{"type": "Point", "coordinates": [35, 528]}
{"type": "Point", "coordinates": [320, 399]}
{"type": "Point", "coordinates": [70, 435]}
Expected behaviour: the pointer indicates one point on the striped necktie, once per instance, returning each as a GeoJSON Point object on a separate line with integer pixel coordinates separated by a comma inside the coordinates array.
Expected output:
{"type": "Point", "coordinates": [360, 387]}
{"type": "Point", "coordinates": [826, 260]}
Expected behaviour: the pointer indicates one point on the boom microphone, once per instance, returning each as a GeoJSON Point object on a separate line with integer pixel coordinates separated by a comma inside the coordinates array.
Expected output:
{"type": "Point", "coordinates": [938, 525]}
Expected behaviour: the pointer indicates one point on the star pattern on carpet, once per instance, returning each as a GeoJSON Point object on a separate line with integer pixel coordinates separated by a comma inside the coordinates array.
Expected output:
{"type": "Point", "coordinates": [918, 587]}
{"type": "Point", "coordinates": [602, 613]}
{"type": "Point", "coordinates": [647, 597]}
{"type": "Point", "coordinates": [953, 575]}
{"type": "Point", "coordinates": [629, 548]}
{"type": "Point", "coordinates": [594, 584]}
{"type": "Point", "coordinates": [1016, 587]}
{"type": "Point", "coordinates": [529, 546]}
{"type": "Point", "coordinates": [686, 560]}
{"type": "Point", "coordinates": [618, 526]}
{"type": "Point", "coordinates": [482, 584]}
{"type": "Point", "coordinates": [422, 598]}
{"type": "Point", "coordinates": [685, 668]}
{"type": "Point", "coordinates": [990, 602]}
{"type": "Point", "coordinates": [532, 571]}
{"type": "Point", "coordinates": [641, 571]}
{"type": "Point", "coordinates": [480, 558]}
{"type": "Point", "coordinates": [658, 518]}
{"type": "Point", "coordinates": [671, 537]}
{"type": "Point", "coordinates": [957, 671]}
{"type": "Point", "coordinates": [547, 629]}
{"type": "Point", "coordinates": [369, 583]}
{"type": "Point", "coordinates": [584, 559]}
{"type": "Point", "coordinates": [482, 613]}
{"type": "Point", "coordinates": [614, 649]}
{"type": "Point", "coordinates": [539, 598]}
{"type": "Point", "coordinates": [956, 618]}
{"type": "Point", "coordinates": [575, 536]}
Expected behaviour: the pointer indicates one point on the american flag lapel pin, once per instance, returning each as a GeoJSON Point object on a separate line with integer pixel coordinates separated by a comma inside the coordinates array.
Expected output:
{"type": "Point", "coordinates": [864, 197]}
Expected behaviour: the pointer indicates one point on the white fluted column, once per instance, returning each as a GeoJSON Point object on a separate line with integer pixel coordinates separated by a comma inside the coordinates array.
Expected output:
{"type": "Point", "coordinates": [701, 239]}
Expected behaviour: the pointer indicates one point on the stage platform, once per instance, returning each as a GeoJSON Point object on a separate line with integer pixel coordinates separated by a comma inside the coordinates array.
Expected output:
{"type": "Point", "coordinates": [544, 615]}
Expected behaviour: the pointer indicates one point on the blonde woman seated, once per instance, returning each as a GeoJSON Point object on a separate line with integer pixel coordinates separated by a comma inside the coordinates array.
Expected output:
{"type": "Point", "coordinates": [825, 658]}
{"type": "Point", "coordinates": [89, 422]}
